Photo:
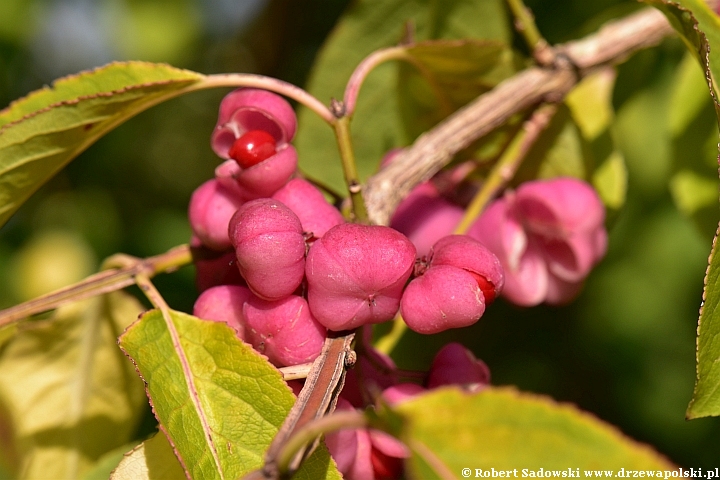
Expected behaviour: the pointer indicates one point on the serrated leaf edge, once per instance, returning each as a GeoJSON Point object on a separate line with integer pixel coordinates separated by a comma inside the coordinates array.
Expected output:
{"type": "Point", "coordinates": [86, 73]}
{"type": "Point", "coordinates": [177, 347]}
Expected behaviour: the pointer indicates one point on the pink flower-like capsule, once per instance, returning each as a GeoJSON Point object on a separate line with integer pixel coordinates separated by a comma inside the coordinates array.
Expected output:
{"type": "Point", "coordinates": [548, 235]}
{"type": "Point", "coordinates": [356, 274]}
{"type": "Point", "coordinates": [316, 215]}
{"type": "Point", "coordinates": [373, 373]}
{"type": "Point", "coordinates": [425, 217]}
{"type": "Point", "coordinates": [224, 303]}
{"type": "Point", "coordinates": [461, 278]}
{"type": "Point", "coordinates": [269, 246]}
{"type": "Point", "coordinates": [247, 109]}
{"type": "Point", "coordinates": [366, 454]}
{"type": "Point", "coordinates": [456, 365]}
{"type": "Point", "coordinates": [210, 209]}
{"type": "Point", "coordinates": [261, 180]}
{"type": "Point", "coordinates": [284, 330]}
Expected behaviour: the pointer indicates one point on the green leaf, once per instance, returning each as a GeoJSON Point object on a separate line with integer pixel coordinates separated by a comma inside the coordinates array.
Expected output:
{"type": "Point", "coordinates": [451, 74]}
{"type": "Point", "coordinates": [693, 192]}
{"type": "Point", "coordinates": [105, 465]}
{"type": "Point", "coordinates": [7, 332]}
{"type": "Point", "coordinates": [706, 396]}
{"type": "Point", "coordinates": [151, 460]}
{"type": "Point", "coordinates": [560, 150]}
{"type": "Point", "coordinates": [377, 123]}
{"type": "Point", "coordinates": [591, 107]}
{"type": "Point", "coordinates": [690, 95]}
{"type": "Point", "coordinates": [42, 132]}
{"type": "Point", "coordinates": [72, 394]}
{"type": "Point", "coordinates": [610, 180]}
{"type": "Point", "coordinates": [699, 27]}
{"type": "Point", "coordinates": [694, 184]}
{"type": "Point", "coordinates": [504, 429]}
{"type": "Point", "coordinates": [219, 401]}
{"type": "Point", "coordinates": [591, 103]}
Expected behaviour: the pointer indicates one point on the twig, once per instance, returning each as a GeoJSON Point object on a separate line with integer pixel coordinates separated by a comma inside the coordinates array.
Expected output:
{"type": "Point", "coordinates": [99, 283]}
{"type": "Point", "coordinates": [543, 53]}
{"type": "Point", "coordinates": [317, 399]}
{"type": "Point", "coordinates": [610, 45]}
{"type": "Point", "coordinates": [312, 430]}
{"type": "Point", "coordinates": [296, 372]}
{"type": "Point", "coordinates": [347, 157]}
{"type": "Point", "coordinates": [504, 170]}
{"type": "Point", "coordinates": [266, 83]}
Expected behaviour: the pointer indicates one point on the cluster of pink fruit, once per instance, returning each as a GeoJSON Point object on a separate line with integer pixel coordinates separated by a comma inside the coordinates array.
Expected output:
{"type": "Point", "coordinates": [281, 266]}
{"type": "Point", "coordinates": [302, 268]}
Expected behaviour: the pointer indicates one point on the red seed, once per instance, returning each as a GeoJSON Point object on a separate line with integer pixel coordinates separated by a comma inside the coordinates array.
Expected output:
{"type": "Point", "coordinates": [487, 287]}
{"type": "Point", "coordinates": [252, 147]}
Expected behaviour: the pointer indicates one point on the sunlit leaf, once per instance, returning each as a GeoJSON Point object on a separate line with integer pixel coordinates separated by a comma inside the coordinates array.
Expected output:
{"type": "Point", "coordinates": [610, 180]}
{"type": "Point", "coordinates": [699, 27]}
{"type": "Point", "coordinates": [377, 124]}
{"type": "Point", "coordinates": [591, 103]}
{"type": "Point", "coordinates": [693, 192]}
{"type": "Point", "coordinates": [109, 462]}
{"type": "Point", "coordinates": [72, 394]}
{"type": "Point", "coordinates": [591, 106]}
{"type": "Point", "coordinates": [151, 460]}
{"type": "Point", "coordinates": [42, 132]}
{"type": "Point", "coordinates": [9, 454]}
{"type": "Point", "coordinates": [6, 333]}
{"type": "Point", "coordinates": [504, 429]}
{"type": "Point", "coordinates": [219, 401]}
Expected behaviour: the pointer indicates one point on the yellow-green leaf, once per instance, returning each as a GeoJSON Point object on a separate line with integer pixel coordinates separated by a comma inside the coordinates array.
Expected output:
{"type": "Point", "coordinates": [151, 460]}
{"type": "Point", "coordinates": [219, 402]}
{"type": "Point", "coordinates": [504, 429]}
{"type": "Point", "coordinates": [699, 27]}
{"type": "Point", "coordinates": [41, 133]}
{"type": "Point", "coordinates": [72, 394]}
{"type": "Point", "coordinates": [446, 75]}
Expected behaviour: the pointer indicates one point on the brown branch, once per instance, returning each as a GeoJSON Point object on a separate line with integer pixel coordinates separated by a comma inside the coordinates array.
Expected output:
{"type": "Point", "coordinates": [99, 283]}
{"type": "Point", "coordinates": [317, 399]}
{"type": "Point", "coordinates": [610, 45]}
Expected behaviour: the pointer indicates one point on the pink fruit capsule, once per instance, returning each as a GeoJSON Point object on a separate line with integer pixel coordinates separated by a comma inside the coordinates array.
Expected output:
{"type": "Point", "coordinates": [548, 235]}
{"type": "Point", "coordinates": [214, 268]}
{"type": "Point", "coordinates": [211, 207]}
{"type": "Point", "coordinates": [248, 109]}
{"type": "Point", "coordinates": [467, 253]}
{"type": "Point", "coordinates": [456, 365]}
{"type": "Point", "coordinates": [224, 303]}
{"type": "Point", "coordinates": [425, 217]}
{"type": "Point", "coordinates": [443, 297]}
{"type": "Point", "coordinates": [270, 247]}
{"type": "Point", "coordinates": [356, 274]}
{"type": "Point", "coordinates": [261, 180]}
{"type": "Point", "coordinates": [284, 330]}
{"type": "Point", "coordinates": [315, 213]}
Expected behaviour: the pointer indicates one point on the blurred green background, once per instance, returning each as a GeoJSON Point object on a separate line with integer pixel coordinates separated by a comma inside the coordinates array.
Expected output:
{"type": "Point", "coordinates": [624, 350]}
